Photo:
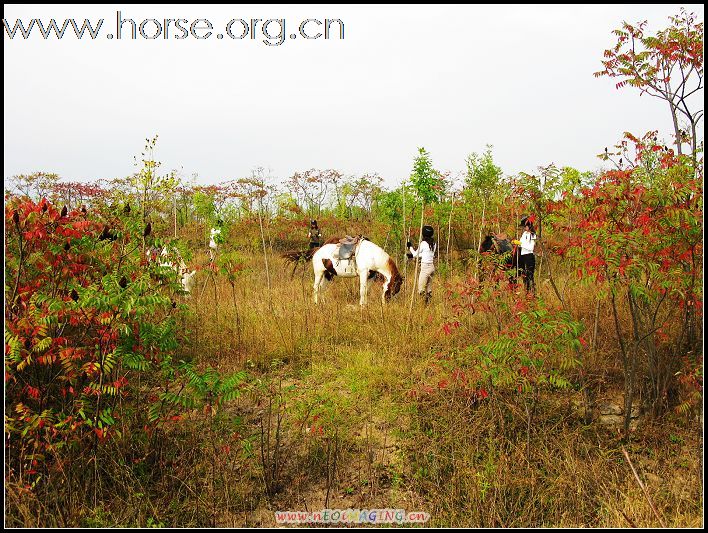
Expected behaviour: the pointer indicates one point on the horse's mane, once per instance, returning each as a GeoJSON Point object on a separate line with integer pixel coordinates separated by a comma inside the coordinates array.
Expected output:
{"type": "Point", "coordinates": [297, 256]}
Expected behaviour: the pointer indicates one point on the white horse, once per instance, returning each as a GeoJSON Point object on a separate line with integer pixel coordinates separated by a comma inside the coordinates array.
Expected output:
{"type": "Point", "coordinates": [366, 261]}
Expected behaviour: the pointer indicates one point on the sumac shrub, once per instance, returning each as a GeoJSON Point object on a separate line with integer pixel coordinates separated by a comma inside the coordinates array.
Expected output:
{"type": "Point", "coordinates": [636, 233]}
{"type": "Point", "coordinates": [91, 339]}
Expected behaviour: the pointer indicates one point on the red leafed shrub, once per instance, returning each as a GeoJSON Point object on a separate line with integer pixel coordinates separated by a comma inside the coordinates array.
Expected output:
{"type": "Point", "coordinates": [637, 234]}
{"type": "Point", "coordinates": [84, 318]}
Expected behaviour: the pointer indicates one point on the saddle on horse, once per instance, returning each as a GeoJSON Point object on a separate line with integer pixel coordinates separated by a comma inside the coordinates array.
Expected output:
{"type": "Point", "coordinates": [344, 258]}
{"type": "Point", "coordinates": [346, 247]}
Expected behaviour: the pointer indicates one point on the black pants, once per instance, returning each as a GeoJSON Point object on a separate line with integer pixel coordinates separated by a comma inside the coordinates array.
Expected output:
{"type": "Point", "coordinates": [314, 245]}
{"type": "Point", "coordinates": [527, 266]}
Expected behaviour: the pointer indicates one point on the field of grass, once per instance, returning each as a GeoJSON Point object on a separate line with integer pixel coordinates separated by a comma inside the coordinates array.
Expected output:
{"type": "Point", "coordinates": [136, 399]}
{"type": "Point", "coordinates": [344, 409]}
{"type": "Point", "coordinates": [391, 406]}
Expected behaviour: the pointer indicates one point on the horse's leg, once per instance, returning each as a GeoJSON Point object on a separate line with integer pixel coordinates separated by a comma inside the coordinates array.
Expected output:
{"type": "Point", "coordinates": [319, 276]}
{"type": "Point", "coordinates": [363, 286]}
{"type": "Point", "coordinates": [371, 277]}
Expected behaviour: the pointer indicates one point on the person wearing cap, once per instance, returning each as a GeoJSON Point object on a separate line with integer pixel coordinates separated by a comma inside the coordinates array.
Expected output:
{"type": "Point", "coordinates": [426, 252]}
{"type": "Point", "coordinates": [314, 235]}
{"type": "Point", "coordinates": [527, 259]}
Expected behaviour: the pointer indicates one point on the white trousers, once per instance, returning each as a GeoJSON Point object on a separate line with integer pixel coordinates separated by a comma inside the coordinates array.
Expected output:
{"type": "Point", "coordinates": [425, 279]}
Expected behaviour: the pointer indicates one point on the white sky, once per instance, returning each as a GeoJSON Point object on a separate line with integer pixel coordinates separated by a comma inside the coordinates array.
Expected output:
{"type": "Point", "coordinates": [450, 78]}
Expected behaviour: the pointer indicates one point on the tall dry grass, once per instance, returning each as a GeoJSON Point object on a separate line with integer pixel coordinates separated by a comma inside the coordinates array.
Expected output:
{"type": "Point", "coordinates": [330, 420]}
{"type": "Point", "coordinates": [465, 463]}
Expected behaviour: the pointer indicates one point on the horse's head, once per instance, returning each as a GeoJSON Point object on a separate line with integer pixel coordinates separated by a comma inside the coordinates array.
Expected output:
{"type": "Point", "coordinates": [394, 286]}
{"type": "Point", "coordinates": [487, 244]}
{"type": "Point", "coordinates": [396, 280]}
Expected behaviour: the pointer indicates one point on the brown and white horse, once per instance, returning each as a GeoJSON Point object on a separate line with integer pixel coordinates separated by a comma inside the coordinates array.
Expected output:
{"type": "Point", "coordinates": [367, 260]}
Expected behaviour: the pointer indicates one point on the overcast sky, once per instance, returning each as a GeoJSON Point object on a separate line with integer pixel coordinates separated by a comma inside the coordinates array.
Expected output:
{"type": "Point", "coordinates": [449, 78]}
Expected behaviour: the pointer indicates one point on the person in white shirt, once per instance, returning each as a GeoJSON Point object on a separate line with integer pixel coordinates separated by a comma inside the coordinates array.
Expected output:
{"type": "Point", "coordinates": [426, 252]}
{"type": "Point", "coordinates": [215, 239]}
{"type": "Point", "coordinates": [527, 259]}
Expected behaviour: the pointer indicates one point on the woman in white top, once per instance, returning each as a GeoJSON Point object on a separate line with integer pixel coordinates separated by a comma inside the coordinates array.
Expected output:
{"type": "Point", "coordinates": [215, 240]}
{"type": "Point", "coordinates": [426, 252]}
{"type": "Point", "coordinates": [527, 259]}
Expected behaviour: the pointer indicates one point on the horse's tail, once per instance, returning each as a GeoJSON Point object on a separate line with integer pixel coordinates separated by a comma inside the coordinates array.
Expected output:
{"type": "Point", "coordinates": [297, 257]}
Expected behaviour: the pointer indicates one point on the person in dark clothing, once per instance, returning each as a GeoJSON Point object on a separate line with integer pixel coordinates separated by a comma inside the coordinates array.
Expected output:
{"type": "Point", "coordinates": [314, 235]}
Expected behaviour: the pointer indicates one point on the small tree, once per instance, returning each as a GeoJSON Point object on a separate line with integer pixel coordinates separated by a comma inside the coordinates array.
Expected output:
{"type": "Point", "coordinates": [36, 186]}
{"type": "Point", "coordinates": [312, 187]}
{"type": "Point", "coordinates": [481, 182]}
{"type": "Point", "coordinates": [637, 232]}
{"type": "Point", "coordinates": [429, 187]}
{"type": "Point", "coordinates": [425, 179]}
{"type": "Point", "coordinates": [668, 66]}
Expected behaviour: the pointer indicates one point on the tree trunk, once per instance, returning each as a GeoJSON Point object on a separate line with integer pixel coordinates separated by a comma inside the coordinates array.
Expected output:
{"type": "Point", "coordinates": [629, 396]}
{"type": "Point", "coordinates": [481, 225]}
{"type": "Point", "coordinates": [677, 130]}
{"type": "Point", "coordinates": [449, 229]}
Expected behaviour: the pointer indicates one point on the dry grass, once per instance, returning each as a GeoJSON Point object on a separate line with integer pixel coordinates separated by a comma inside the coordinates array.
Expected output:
{"type": "Point", "coordinates": [467, 464]}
